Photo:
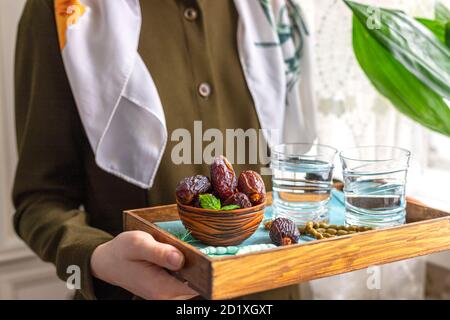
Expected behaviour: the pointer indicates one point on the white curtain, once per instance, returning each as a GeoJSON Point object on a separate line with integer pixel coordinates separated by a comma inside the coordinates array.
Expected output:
{"type": "Point", "coordinates": [352, 113]}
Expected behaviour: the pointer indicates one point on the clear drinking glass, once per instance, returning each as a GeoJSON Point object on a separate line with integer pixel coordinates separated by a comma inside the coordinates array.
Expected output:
{"type": "Point", "coordinates": [374, 185]}
{"type": "Point", "coordinates": [302, 181]}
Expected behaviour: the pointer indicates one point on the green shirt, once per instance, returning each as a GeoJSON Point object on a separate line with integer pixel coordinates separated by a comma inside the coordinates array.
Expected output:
{"type": "Point", "coordinates": [65, 205]}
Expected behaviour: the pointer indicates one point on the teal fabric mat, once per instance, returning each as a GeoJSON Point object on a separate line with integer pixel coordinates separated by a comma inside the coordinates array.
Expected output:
{"type": "Point", "coordinates": [336, 210]}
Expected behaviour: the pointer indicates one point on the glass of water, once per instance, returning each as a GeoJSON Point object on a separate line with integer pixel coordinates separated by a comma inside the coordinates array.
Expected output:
{"type": "Point", "coordinates": [302, 181]}
{"type": "Point", "coordinates": [374, 185]}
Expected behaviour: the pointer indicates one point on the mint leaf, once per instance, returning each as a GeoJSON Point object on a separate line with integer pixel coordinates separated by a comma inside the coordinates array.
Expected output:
{"type": "Point", "coordinates": [230, 207]}
{"type": "Point", "coordinates": [208, 201]}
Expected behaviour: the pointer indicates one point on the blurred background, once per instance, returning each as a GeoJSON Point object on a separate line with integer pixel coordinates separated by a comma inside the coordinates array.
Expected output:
{"type": "Point", "coordinates": [351, 113]}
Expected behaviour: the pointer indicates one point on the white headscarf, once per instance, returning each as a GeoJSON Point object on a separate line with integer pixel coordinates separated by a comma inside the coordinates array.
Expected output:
{"type": "Point", "coordinates": [119, 104]}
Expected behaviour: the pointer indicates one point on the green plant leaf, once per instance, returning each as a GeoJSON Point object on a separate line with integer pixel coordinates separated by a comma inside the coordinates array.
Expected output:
{"type": "Point", "coordinates": [230, 207]}
{"type": "Point", "coordinates": [447, 34]}
{"type": "Point", "coordinates": [442, 13]}
{"type": "Point", "coordinates": [209, 201]}
{"type": "Point", "coordinates": [435, 26]}
{"type": "Point", "coordinates": [410, 43]}
{"type": "Point", "coordinates": [406, 92]}
{"type": "Point", "coordinates": [441, 25]}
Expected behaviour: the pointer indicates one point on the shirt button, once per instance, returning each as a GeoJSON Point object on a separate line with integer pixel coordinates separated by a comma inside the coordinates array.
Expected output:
{"type": "Point", "coordinates": [190, 14]}
{"type": "Point", "coordinates": [204, 89]}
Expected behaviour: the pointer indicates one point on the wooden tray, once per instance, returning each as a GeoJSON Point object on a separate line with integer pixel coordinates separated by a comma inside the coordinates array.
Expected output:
{"type": "Point", "coordinates": [427, 231]}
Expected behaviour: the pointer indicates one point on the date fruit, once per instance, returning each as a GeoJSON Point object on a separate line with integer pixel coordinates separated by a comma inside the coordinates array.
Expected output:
{"type": "Point", "coordinates": [239, 199]}
{"type": "Point", "coordinates": [223, 178]}
{"type": "Point", "coordinates": [190, 188]}
{"type": "Point", "coordinates": [283, 232]}
{"type": "Point", "coordinates": [253, 186]}
{"type": "Point", "coordinates": [196, 203]}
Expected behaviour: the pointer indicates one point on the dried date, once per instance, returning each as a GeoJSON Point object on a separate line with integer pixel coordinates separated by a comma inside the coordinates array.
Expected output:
{"type": "Point", "coordinates": [253, 186]}
{"type": "Point", "coordinates": [239, 199]}
{"type": "Point", "coordinates": [190, 188]}
{"type": "Point", "coordinates": [283, 232]}
{"type": "Point", "coordinates": [196, 203]}
{"type": "Point", "coordinates": [223, 178]}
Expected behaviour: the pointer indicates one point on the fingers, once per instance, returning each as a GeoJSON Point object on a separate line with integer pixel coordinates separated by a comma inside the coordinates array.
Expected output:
{"type": "Point", "coordinates": [145, 247]}
{"type": "Point", "coordinates": [154, 283]}
{"type": "Point", "coordinates": [172, 288]}
{"type": "Point", "coordinates": [135, 262]}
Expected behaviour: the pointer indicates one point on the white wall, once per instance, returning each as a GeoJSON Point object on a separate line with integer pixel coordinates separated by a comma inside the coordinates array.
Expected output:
{"type": "Point", "coordinates": [22, 274]}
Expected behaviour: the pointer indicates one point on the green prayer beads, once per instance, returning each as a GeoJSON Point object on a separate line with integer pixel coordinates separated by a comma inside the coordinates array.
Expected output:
{"type": "Point", "coordinates": [233, 250]}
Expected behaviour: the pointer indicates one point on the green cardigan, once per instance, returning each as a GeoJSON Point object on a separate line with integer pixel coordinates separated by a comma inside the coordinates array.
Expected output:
{"type": "Point", "coordinates": [65, 205]}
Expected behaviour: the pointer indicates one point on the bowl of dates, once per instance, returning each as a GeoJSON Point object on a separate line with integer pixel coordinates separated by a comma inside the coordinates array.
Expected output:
{"type": "Point", "coordinates": [223, 209]}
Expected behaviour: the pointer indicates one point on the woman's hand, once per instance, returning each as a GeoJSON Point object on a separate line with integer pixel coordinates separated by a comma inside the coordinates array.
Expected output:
{"type": "Point", "coordinates": [134, 261]}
